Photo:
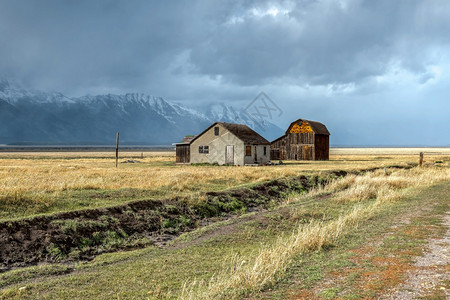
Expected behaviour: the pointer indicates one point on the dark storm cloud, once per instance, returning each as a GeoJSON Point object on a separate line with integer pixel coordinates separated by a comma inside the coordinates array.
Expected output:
{"type": "Point", "coordinates": [327, 41]}
{"type": "Point", "coordinates": [323, 59]}
{"type": "Point", "coordinates": [134, 43]}
{"type": "Point", "coordinates": [92, 43]}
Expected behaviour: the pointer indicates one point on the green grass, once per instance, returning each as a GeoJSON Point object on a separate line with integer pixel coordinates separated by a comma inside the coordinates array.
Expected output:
{"type": "Point", "coordinates": [25, 204]}
{"type": "Point", "coordinates": [69, 200]}
{"type": "Point", "coordinates": [135, 273]}
{"type": "Point", "coordinates": [330, 293]}
{"type": "Point", "coordinates": [309, 270]}
{"type": "Point", "coordinates": [73, 200]}
{"type": "Point", "coordinates": [155, 272]}
{"type": "Point", "coordinates": [161, 271]}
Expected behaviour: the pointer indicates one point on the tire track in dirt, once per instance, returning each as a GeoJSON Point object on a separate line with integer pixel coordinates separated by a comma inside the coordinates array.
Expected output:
{"type": "Point", "coordinates": [391, 265]}
{"type": "Point", "coordinates": [429, 272]}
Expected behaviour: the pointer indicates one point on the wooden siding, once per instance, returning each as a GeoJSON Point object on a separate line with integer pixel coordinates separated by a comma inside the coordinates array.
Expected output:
{"type": "Point", "coordinates": [275, 154]}
{"type": "Point", "coordinates": [301, 138]}
{"type": "Point", "coordinates": [300, 146]}
{"type": "Point", "coordinates": [183, 153]}
{"type": "Point", "coordinates": [322, 146]}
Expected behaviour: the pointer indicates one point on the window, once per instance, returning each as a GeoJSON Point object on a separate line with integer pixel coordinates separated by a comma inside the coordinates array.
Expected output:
{"type": "Point", "coordinates": [248, 150]}
{"type": "Point", "coordinates": [203, 149]}
{"type": "Point", "coordinates": [265, 150]}
{"type": "Point", "coordinates": [216, 130]}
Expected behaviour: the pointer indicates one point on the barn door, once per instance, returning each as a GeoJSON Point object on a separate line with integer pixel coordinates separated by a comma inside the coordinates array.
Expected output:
{"type": "Point", "coordinates": [307, 153]}
{"type": "Point", "coordinates": [229, 155]}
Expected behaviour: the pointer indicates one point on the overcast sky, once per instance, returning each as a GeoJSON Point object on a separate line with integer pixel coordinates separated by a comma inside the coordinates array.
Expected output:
{"type": "Point", "coordinates": [375, 72]}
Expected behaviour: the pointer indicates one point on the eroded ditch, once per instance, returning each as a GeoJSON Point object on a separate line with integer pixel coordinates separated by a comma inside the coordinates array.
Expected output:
{"type": "Point", "coordinates": [83, 234]}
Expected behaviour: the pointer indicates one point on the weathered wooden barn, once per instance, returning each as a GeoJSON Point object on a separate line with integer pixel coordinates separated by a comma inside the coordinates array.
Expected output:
{"type": "Point", "coordinates": [225, 143]}
{"type": "Point", "coordinates": [303, 140]}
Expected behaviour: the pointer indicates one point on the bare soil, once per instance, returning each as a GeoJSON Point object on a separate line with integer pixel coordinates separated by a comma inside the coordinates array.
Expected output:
{"type": "Point", "coordinates": [430, 273]}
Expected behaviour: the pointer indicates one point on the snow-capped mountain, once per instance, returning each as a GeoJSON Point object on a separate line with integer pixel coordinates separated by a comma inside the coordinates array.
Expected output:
{"type": "Point", "coordinates": [28, 116]}
{"type": "Point", "coordinates": [14, 93]}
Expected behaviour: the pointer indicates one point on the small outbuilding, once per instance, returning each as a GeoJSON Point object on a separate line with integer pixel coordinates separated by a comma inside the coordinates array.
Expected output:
{"type": "Point", "coordinates": [182, 149]}
{"type": "Point", "coordinates": [225, 143]}
{"type": "Point", "coordinates": [303, 140]}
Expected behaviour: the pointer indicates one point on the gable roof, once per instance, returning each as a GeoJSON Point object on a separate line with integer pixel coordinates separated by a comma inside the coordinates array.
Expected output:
{"type": "Point", "coordinates": [186, 140]}
{"type": "Point", "coordinates": [242, 132]}
{"type": "Point", "coordinates": [317, 127]}
{"type": "Point", "coordinates": [276, 140]}
{"type": "Point", "coordinates": [245, 133]}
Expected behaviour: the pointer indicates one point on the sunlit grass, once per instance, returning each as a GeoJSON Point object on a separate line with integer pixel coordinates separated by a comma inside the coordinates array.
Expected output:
{"type": "Point", "coordinates": [383, 188]}
{"type": "Point", "coordinates": [229, 264]}
{"type": "Point", "coordinates": [43, 179]}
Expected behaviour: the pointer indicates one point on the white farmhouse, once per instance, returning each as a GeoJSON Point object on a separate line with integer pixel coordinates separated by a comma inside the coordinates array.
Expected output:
{"type": "Point", "coordinates": [225, 143]}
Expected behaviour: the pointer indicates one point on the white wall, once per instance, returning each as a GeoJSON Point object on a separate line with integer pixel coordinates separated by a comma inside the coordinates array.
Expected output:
{"type": "Point", "coordinates": [261, 158]}
{"type": "Point", "coordinates": [217, 145]}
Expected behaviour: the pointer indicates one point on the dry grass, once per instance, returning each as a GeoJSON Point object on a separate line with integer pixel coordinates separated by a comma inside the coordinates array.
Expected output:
{"type": "Point", "coordinates": [428, 151]}
{"type": "Point", "coordinates": [39, 174]}
{"type": "Point", "coordinates": [384, 185]}
{"type": "Point", "coordinates": [59, 171]}
{"type": "Point", "coordinates": [271, 261]}
{"type": "Point", "coordinates": [39, 178]}
{"type": "Point", "coordinates": [248, 275]}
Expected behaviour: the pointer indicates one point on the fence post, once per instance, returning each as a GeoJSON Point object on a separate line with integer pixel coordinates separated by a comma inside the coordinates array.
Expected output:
{"type": "Point", "coordinates": [420, 159]}
{"type": "Point", "coordinates": [117, 148]}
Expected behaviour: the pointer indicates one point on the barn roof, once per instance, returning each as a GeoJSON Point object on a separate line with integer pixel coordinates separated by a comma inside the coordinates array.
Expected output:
{"type": "Point", "coordinates": [276, 140]}
{"type": "Point", "coordinates": [317, 127]}
{"type": "Point", "coordinates": [186, 140]}
{"type": "Point", "coordinates": [245, 133]}
{"type": "Point", "coordinates": [242, 132]}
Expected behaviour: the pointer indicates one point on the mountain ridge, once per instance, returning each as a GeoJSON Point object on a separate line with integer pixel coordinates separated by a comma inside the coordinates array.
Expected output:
{"type": "Point", "coordinates": [30, 116]}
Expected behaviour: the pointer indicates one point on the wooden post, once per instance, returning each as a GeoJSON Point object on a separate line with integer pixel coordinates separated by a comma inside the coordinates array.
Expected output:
{"type": "Point", "coordinates": [142, 155]}
{"type": "Point", "coordinates": [117, 148]}
{"type": "Point", "coordinates": [420, 159]}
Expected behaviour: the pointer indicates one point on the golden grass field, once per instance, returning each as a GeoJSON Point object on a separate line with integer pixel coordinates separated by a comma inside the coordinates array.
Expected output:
{"type": "Point", "coordinates": [56, 171]}
{"type": "Point", "coordinates": [42, 178]}
{"type": "Point", "coordinates": [233, 263]}
{"type": "Point", "coordinates": [59, 171]}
